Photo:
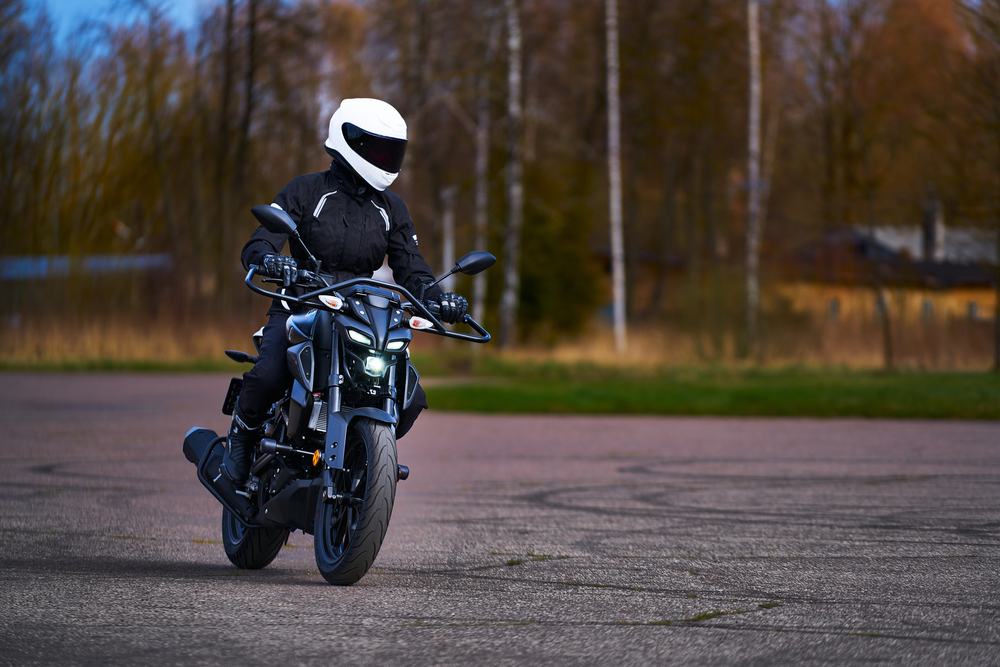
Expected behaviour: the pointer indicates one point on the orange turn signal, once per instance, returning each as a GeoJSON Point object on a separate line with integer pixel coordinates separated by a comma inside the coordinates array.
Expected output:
{"type": "Point", "coordinates": [420, 323]}
{"type": "Point", "coordinates": [316, 457]}
{"type": "Point", "coordinates": [332, 301]}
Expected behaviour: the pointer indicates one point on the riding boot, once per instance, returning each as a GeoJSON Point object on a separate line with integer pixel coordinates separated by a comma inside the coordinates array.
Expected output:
{"type": "Point", "coordinates": [242, 438]}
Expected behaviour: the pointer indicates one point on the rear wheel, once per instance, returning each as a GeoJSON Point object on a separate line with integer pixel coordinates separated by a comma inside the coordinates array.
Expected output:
{"type": "Point", "coordinates": [349, 530]}
{"type": "Point", "coordinates": [250, 548]}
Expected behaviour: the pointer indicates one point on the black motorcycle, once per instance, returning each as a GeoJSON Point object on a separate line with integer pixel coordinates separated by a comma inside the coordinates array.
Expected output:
{"type": "Point", "coordinates": [327, 463]}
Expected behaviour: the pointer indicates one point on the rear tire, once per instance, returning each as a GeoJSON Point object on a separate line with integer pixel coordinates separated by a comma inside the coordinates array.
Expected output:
{"type": "Point", "coordinates": [347, 537]}
{"type": "Point", "coordinates": [250, 548]}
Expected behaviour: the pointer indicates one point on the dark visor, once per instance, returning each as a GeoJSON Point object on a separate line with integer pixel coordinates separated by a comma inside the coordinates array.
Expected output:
{"type": "Point", "coordinates": [385, 153]}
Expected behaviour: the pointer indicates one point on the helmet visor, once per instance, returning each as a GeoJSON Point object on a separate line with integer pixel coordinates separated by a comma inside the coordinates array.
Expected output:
{"type": "Point", "coordinates": [385, 153]}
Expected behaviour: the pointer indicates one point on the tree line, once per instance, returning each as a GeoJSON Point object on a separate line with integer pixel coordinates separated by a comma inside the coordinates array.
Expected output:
{"type": "Point", "coordinates": [135, 135]}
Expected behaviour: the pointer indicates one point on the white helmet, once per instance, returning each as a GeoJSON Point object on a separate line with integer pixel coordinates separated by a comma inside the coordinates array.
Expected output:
{"type": "Point", "coordinates": [371, 136]}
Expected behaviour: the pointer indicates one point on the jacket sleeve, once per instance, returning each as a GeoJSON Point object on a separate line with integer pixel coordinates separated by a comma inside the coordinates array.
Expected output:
{"type": "Point", "coordinates": [264, 242]}
{"type": "Point", "coordinates": [408, 266]}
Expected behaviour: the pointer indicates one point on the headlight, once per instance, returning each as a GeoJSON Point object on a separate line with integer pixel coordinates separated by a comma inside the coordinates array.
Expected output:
{"type": "Point", "coordinates": [375, 366]}
{"type": "Point", "coordinates": [396, 345]}
{"type": "Point", "coordinates": [359, 337]}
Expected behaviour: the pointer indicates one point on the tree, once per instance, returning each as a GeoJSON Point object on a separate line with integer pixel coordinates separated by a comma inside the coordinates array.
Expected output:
{"type": "Point", "coordinates": [483, 163]}
{"type": "Point", "coordinates": [753, 179]}
{"type": "Point", "coordinates": [615, 176]}
{"type": "Point", "coordinates": [515, 187]}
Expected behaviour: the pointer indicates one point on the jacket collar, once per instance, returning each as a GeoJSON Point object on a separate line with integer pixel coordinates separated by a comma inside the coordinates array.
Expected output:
{"type": "Point", "coordinates": [348, 180]}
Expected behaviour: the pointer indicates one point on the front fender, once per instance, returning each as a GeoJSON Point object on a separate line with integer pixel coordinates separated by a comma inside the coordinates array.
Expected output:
{"type": "Point", "coordinates": [336, 432]}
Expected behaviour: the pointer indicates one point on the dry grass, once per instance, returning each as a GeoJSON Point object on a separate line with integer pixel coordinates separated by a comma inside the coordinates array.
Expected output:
{"type": "Point", "coordinates": [953, 345]}
{"type": "Point", "coordinates": [948, 345]}
{"type": "Point", "coordinates": [122, 340]}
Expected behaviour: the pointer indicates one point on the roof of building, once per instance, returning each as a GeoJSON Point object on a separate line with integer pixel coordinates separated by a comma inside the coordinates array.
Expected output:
{"type": "Point", "coordinates": [962, 245]}
{"type": "Point", "coordinates": [847, 255]}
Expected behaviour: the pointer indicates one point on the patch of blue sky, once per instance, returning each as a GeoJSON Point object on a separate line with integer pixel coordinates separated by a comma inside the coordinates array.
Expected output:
{"type": "Point", "coordinates": [70, 14]}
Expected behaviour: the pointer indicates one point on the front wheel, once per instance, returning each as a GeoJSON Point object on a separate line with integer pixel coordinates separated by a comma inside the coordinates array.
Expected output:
{"type": "Point", "coordinates": [349, 530]}
{"type": "Point", "coordinates": [250, 548]}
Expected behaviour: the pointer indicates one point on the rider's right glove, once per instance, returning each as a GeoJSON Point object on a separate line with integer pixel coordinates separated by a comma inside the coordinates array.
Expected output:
{"type": "Point", "coordinates": [274, 265]}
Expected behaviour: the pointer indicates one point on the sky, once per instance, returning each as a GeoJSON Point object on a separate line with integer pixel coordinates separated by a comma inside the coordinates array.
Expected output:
{"type": "Point", "coordinates": [68, 14]}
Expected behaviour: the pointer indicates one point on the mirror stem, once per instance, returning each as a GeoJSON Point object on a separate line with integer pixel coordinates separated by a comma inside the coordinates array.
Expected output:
{"type": "Point", "coordinates": [436, 281]}
{"type": "Point", "coordinates": [316, 265]}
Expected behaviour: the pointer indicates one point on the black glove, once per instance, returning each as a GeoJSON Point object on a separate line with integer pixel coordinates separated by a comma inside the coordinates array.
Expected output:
{"type": "Point", "coordinates": [275, 266]}
{"type": "Point", "coordinates": [453, 307]}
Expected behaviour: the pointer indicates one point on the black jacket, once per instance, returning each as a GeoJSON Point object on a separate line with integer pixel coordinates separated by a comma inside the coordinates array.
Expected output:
{"type": "Point", "coordinates": [349, 227]}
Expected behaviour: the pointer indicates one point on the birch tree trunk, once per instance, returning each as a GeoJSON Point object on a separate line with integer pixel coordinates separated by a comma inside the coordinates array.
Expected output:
{"type": "Point", "coordinates": [448, 251]}
{"type": "Point", "coordinates": [482, 169]}
{"type": "Point", "coordinates": [753, 180]}
{"type": "Point", "coordinates": [515, 188]}
{"type": "Point", "coordinates": [615, 176]}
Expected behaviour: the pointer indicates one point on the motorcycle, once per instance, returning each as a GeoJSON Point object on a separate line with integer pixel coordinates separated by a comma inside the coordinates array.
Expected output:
{"type": "Point", "coordinates": [327, 461]}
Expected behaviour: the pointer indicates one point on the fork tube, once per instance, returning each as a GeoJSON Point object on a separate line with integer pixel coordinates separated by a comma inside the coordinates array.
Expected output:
{"type": "Point", "coordinates": [389, 405]}
{"type": "Point", "coordinates": [333, 401]}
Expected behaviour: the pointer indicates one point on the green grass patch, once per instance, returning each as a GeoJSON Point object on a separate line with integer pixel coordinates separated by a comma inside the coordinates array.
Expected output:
{"type": "Point", "coordinates": [714, 614]}
{"type": "Point", "coordinates": [580, 389]}
{"type": "Point", "coordinates": [553, 388]}
{"type": "Point", "coordinates": [581, 583]}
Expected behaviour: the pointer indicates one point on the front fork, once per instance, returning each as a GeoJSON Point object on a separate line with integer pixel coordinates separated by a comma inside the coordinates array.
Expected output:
{"type": "Point", "coordinates": [336, 437]}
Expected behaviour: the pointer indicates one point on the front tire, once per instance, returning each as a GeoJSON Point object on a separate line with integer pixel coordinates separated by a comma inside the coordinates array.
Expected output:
{"type": "Point", "coordinates": [349, 535]}
{"type": "Point", "coordinates": [250, 548]}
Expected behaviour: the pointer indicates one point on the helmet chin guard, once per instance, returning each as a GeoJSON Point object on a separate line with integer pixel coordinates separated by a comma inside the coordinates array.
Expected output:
{"type": "Point", "coordinates": [371, 137]}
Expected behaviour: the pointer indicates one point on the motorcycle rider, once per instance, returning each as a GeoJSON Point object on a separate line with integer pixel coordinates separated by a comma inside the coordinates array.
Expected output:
{"type": "Point", "coordinates": [350, 221]}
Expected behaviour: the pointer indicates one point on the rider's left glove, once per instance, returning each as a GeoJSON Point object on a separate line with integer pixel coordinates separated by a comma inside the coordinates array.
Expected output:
{"type": "Point", "coordinates": [279, 266]}
{"type": "Point", "coordinates": [453, 307]}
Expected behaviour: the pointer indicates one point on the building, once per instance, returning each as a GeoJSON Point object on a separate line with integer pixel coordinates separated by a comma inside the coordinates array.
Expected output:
{"type": "Point", "coordinates": [928, 272]}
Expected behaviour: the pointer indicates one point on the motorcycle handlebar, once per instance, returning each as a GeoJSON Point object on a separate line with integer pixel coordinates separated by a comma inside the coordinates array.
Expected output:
{"type": "Point", "coordinates": [429, 311]}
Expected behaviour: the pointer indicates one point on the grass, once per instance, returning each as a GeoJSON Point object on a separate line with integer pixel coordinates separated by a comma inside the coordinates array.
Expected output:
{"type": "Point", "coordinates": [796, 392]}
{"type": "Point", "coordinates": [494, 384]}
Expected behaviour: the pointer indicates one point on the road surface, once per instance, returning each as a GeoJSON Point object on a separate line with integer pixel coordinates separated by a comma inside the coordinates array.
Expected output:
{"type": "Point", "coordinates": [516, 540]}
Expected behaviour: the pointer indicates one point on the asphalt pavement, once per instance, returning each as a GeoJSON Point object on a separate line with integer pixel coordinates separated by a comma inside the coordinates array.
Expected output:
{"type": "Point", "coordinates": [516, 540]}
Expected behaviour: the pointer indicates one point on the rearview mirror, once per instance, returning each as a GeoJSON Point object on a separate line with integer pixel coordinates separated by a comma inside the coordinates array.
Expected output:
{"type": "Point", "coordinates": [274, 220]}
{"type": "Point", "coordinates": [475, 262]}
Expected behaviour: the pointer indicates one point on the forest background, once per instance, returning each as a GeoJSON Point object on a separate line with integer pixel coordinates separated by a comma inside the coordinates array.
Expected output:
{"type": "Point", "coordinates": [133, 136]}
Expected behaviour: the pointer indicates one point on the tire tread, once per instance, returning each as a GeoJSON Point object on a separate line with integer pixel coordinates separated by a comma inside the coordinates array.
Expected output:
{"type": "Point", "coordinates": [376, 511]}
{"type": "Point", "coordinates": [256, 549]}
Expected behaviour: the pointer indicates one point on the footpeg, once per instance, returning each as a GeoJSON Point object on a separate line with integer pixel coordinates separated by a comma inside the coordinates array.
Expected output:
{"type": "Point", "coordinates": [402, 473]}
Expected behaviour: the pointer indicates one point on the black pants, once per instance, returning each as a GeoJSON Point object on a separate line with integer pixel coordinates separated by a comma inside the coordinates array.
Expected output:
{"type": "Point", "coordinates": [268, 380]}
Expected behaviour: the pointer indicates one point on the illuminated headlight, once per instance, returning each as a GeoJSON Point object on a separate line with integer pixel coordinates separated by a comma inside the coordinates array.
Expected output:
{"type": "Point", "coordinates": [359, 337]}
{"type": "Point", "coordinates": [395, 345]}
{"type": "Point", "coordinates": [375, 366]}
